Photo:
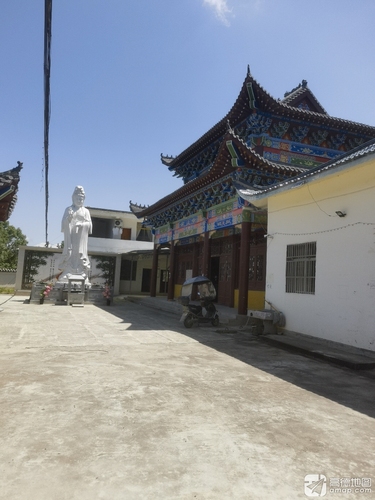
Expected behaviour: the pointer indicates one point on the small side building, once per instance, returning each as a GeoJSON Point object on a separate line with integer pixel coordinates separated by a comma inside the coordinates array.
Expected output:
{"type": "Point", "coordinates": [321, 249]}
{"type": "Point", "coordinates": [122, 235]}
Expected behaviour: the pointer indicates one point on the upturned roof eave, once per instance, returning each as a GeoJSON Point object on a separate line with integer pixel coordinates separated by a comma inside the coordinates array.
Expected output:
{"type": "Point", "coordinates": [219, 170]}
{"type": "Point", "coordinates": [215, 132]}
{"type": "Point", "coordinates": [9, 179]}
{"type": "Point", "coordinates": [185, 191]}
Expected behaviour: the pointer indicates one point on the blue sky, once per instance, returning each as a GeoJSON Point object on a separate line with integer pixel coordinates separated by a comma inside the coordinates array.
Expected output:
{"type": "Point", "coordinates": [131, 79]}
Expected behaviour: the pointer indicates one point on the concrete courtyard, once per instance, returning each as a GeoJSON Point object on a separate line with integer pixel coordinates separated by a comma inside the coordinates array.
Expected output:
{"type": "Point", "coordinates": [124, 403]}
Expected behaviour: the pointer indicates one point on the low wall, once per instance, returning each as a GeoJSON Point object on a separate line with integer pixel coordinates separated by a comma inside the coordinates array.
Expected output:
{"type": "Point", "coordinates": [8, 278]}
{"type": "Point", "coordinates": [38, 264]}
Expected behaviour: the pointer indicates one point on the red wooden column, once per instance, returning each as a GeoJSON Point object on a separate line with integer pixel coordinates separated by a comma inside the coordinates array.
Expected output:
{"type": "Point", "coordinates": [154, 271]}
{"type": "Point", "coordinates": [195, 259]}
{"type": "Point", "coordinates": [171, 280]}
{"type": "Point", "coordinates": [244, 262]}
{"type": "Point", "coordinates": [206, 253]}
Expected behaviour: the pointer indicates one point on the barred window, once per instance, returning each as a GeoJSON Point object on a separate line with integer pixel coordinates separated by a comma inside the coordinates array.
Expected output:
{"type": "Point", "coordinates": [300, 268]}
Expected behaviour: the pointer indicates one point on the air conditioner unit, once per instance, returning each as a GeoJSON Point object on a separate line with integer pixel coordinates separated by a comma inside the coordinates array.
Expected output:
{"type": "Point", "coordinates": [118, 223]}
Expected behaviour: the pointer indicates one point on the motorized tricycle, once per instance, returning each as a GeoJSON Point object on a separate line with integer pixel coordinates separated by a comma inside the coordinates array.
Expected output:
{"type": "Point", "coordinates": [205, 311]}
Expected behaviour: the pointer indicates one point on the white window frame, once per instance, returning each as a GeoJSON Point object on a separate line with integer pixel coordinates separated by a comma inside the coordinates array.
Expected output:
{"type": "Point", "coordinates": [300, 268]}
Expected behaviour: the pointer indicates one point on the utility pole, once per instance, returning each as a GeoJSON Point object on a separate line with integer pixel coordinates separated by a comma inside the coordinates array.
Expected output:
{"type": "Point", "coordinates": [47, 100]}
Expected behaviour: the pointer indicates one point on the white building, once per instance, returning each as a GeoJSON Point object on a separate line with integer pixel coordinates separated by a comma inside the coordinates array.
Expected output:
{"type": "Point", "coordinates": [321, 249]}
{"type": "Point", "coordinates": [118, 241]}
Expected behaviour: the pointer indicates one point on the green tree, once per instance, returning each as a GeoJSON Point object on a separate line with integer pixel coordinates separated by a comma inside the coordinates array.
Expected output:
{"type": "Point", "coordinates": [107, 267]}
{"type": "Point", "coordinates": [11, 238]}
{"type": "Point", "coordinates": [33, 261]}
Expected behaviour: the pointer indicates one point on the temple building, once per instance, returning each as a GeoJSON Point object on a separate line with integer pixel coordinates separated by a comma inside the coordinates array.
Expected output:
{"type": "Point", "coordinates": [8, 191]}
{"type": "Point", "coordinates": [207, 226]}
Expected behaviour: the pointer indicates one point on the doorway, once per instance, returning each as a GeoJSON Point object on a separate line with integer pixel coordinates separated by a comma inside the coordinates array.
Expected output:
{"type": "Point", "coordinates": [164, 277]}
{"type": "Point", "coordinates": [146, 281]}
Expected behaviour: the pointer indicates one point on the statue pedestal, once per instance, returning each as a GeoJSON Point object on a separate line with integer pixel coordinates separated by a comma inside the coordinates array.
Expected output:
{"type": "Point", "coordinates": [76, 290]}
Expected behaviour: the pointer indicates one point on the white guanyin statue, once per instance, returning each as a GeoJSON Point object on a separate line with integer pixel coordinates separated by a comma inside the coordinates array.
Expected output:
{"type": "Point", "coordinates": [76, 226]}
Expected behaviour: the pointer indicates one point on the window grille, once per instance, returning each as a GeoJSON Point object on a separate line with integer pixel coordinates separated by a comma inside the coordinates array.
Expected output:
{"type": "Point", "coordinates": [256, 268]}
{"type": "Point", "coordinates": [300, 268]}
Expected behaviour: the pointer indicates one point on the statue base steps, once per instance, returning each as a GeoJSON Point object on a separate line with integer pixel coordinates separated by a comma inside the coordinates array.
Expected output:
{"type": "Point", "coordinates": [59, 296]}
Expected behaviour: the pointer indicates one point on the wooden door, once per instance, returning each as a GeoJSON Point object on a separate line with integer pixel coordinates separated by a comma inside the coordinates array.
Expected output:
{"type": "Point", "coordinates": [257, 266]}
{"type": "Point", "coordinates": [226, 271]}
{"type": "Point", "coordinates": [146, 280]}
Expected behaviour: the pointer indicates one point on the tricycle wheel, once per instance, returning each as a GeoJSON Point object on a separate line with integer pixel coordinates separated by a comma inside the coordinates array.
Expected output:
{"type": "Point", "coordinates": [189, 321]}
{"type": "Point", "coordinates": [215, 321]}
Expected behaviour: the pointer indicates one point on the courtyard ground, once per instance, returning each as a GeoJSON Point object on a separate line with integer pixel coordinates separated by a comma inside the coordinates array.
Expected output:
{"type": "Point", "coordinates": [123, 402]}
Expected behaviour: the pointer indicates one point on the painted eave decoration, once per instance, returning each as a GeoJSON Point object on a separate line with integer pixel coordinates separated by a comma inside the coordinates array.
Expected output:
{"type": "Point", "coordinates": [216, 185]}
{"type": "Point", "coordinates": [345, 161]}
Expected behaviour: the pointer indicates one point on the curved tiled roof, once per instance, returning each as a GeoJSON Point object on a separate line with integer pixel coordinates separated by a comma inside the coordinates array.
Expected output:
{"type": "Point", "coordinates": [270, 104]}
{"type": "Point", "coordinates": [218, 167]}
{"type": "Point", "coordinates": [265, 102]}
{"type": "Point", "coordinates": [300, 93]}
{"type": "Point", "coordinates": [8, 191]}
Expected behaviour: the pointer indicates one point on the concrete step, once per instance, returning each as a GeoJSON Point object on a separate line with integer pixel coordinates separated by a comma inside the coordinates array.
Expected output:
{"type": "Point", "coordinates": [333, 352]}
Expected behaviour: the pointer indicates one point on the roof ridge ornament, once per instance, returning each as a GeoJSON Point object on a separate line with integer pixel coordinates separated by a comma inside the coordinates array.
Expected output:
{"type": "Point", "coordinates": [303, 85]}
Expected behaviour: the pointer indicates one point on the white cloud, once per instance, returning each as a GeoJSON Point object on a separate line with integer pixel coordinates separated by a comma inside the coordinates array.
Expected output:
{"type": "Point", "coordinates": [221, 9]}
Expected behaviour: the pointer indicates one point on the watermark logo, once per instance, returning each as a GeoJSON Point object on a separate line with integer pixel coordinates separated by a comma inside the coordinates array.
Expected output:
{"type": "Point", "coordinates": [315, 485]}
{"type": "Point", "coordinates": [350, 485]}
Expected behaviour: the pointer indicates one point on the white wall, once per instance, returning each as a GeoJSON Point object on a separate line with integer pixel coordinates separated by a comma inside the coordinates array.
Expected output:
{"type": "Point", "coordinates": [343, 306]}
{"type": "Point", "coordinates": [143, 262]}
